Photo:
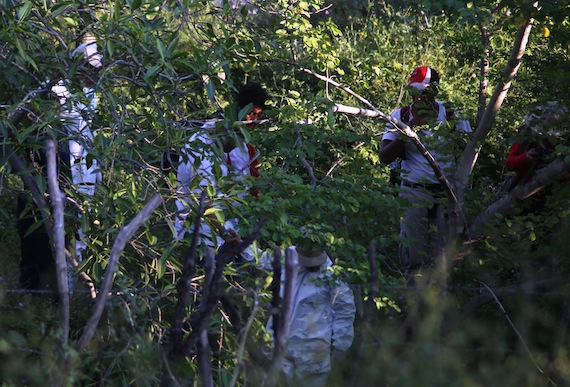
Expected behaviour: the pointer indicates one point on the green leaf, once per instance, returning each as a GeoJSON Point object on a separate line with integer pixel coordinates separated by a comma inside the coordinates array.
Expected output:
{"type": "Point", "coordinates": [150, 72]}
{"type": "Point", "coordinates": [70, 22]}
{"type": "Point", "coordinates": [160, 266]}
{"type": "Point", "coordinates": [117, 10]}
{"type": "Point", "coordinates": [22, 51]}
{"type": "Point", "coordinates": [152, 239]}
{"type": "Point", "coordinates": [135, 4]}
{"type": "Point", "coordinates": [172, 46]}
{"type": "Point", "coordinates": [160, 47]}
{"type": "Point", "coordinates": [110, 47]}
{"type": "Point", "coordinates": [24, 11]}
{"type": "Point", "coordinates": [96, 271]}
{"type": "Point", "coordinates": [211, 91]}
{"type": "Point", "coordinates": [330, 118]}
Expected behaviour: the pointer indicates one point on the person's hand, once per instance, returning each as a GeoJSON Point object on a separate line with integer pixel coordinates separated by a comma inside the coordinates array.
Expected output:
{"type": "Point", "coordinates": [423, 111]}
{"type": "Point", "coordinates": [416, 122]}
{"type": "Point", "coordinates": [532, 154]}
{"type": "Point", "coordinates": [231, 236]}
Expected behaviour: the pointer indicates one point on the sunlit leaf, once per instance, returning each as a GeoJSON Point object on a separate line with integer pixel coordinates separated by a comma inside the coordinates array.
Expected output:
{"type": "Point", "coordinates": [545, 32]}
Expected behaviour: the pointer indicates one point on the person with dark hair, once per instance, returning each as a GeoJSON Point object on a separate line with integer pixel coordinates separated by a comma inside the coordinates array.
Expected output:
{"type": "Point", "coordinates": [200, 158]}
{"type": "Point", "coordinates": [419, 184]}
{"type": "Point", "coordinates": [243, 157]}
{"type": "Point", "coordinates": [252, 93]}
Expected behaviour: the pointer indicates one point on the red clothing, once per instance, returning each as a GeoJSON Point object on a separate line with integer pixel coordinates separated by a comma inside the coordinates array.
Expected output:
{"type": "Point", "coordinates": [255, 164]}
{"type": "Point", "coordinates": [517, 160]}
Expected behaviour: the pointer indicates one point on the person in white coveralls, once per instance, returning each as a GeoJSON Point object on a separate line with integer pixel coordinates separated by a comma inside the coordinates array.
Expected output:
{"type": "Point", "coordinates": [76, 111]}
{"type": "Point", "coordinates": [207, 158]}
{"type": "Point", "coordinates": [321, 323]}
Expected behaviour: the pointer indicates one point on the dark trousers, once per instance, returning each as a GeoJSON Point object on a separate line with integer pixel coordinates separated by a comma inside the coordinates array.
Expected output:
{"type": "Point", "coordinates": [37, 264]}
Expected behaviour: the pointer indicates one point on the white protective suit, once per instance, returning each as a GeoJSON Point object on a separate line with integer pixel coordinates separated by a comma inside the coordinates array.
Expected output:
{"type": "Point", "coordinates": [321, 324]}
{"type": "Point", "coordinates": [199, 160]}
{"type": "Point", "coordinates": [76, 117]}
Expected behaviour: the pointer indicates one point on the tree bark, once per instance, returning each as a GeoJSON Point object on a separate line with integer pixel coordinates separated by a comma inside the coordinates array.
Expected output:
{"type": "Point", "coordinates": [58, 239]}
{"type": "Point", "coordinates": [488, 118]}
{"type": "Point", "coordinates": [199, 319]}
{"type": "Point", "coordinates": [281, 337]}
{"type": "Point", "coordinates": [276, 290]}
{"type": "Point", "coordinates": [183, 287]}
{"type": "Point", "coordinates": [542, 178]}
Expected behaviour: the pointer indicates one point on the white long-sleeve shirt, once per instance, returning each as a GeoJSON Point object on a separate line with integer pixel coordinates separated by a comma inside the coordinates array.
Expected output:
{"type": "Point", "coordinates": [415, 168]}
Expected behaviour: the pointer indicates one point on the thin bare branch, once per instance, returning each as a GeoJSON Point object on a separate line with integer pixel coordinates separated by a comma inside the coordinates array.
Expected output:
{"type": "Point", "coordinates": [49, 29]}
{"type": "Point", "coordinates": [516, 331]}
{"type": "Point", "coordinates": [284, 315]}
{"type": "Point", "coordinates": [373, 291]}
{"type": "Point", "coordinates": [232, 312]}
{"type": "Point", "coordinates": [527, 287]}
{"type": "Point", "coordinates": [488, 117]}
{"type": "Point", "coordinates": [184, 286]}
{"type": "Point", "coordinates": [242, 337]}
{"type": "Point", "coordinates": [204, 365]}
{"type": "Point", "coordinates": [542, 178]}
{"type": "Point", "coordinates": [124, 236]}
{"type": "Point", "coordinates": [339, 86]}
{"type": "Point", "coordinates": [58, 239]}
{"type": "Point", "coordinates": [19, 167]}
{"type": "Point", "coordinates": [199, 319]}
{"type": "Point", "coordinates": [276, 289]}
{"type": "Point", "coordinates": [405, 129]}
{"type": "Point", "coordinates": [307, 165]}
{"type": "Point", "coordinates": [340, 160]}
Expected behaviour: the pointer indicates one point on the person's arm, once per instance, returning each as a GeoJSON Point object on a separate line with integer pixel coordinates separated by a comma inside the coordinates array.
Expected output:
{"type": "Point", "coordinates": [228, 235]}
{"type": "Point", "coordinates": [518, 160]}
{"type": "Point", "coordinates": [343, 318]}
{"type": "Point", "coordinates": [390, 150]}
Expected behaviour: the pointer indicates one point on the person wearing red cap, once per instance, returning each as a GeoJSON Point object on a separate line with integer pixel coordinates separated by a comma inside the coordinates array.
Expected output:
{"type": "Point", "coordinates": [419, 184]}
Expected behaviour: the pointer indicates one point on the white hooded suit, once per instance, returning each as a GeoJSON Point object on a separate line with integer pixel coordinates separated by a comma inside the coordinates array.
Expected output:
{"type": "Point", "coordinates": [321, 323]}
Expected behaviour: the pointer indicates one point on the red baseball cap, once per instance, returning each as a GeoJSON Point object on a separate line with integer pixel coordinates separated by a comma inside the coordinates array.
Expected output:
{"type": "Point", "coordinates": [420, 78]}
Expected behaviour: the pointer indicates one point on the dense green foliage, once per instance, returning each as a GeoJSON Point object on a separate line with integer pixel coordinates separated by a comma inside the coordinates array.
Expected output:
{"type": "Point", "coordinates": [173, 61]}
